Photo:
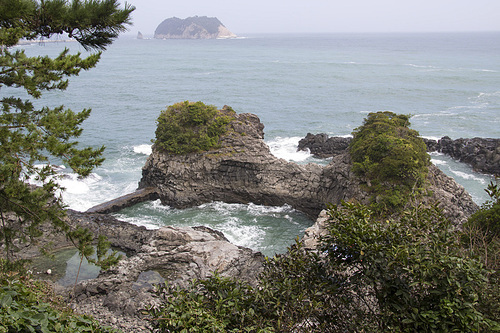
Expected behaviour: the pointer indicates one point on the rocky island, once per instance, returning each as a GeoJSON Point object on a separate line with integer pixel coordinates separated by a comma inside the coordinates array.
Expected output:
{"type": "Point", "coordinates": [197, 27]}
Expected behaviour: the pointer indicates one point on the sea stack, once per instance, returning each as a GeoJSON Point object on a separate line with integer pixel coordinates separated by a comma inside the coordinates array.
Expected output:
{"type": "Point", "coordinates": [197, 27]}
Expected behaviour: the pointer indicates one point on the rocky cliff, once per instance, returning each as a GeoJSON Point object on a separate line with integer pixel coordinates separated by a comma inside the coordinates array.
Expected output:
{"type": "Point", "coordinates": [197, 27]}
{"type": "Point", "coordinates": [243, 170]}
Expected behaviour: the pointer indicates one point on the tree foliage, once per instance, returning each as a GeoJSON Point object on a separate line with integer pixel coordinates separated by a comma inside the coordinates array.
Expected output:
{"type": "Point", "coordinates": [32, 138]}
{"type": "Point", "coordinates": [191, 127]}
{"type": "Point", "coordinates": [482, 239]}
{"type": "Point", "coordinates": [390, 156]}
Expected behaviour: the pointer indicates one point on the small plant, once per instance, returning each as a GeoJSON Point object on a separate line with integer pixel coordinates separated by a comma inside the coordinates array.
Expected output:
{"type": "Point", "coordinates": [191, 127]}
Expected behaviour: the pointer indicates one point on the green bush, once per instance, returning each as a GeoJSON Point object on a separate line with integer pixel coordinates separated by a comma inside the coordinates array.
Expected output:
{"type": "Point", "coordinates": [390, 156]}
{"type": "Point", "coordinates": [406, 275]}
{"type": "Point", "coordinates": [191, 127]}
{"type": "Point", "coordinates": [482, 239]}
{"type": "Point", "coordinates": [27, 305]}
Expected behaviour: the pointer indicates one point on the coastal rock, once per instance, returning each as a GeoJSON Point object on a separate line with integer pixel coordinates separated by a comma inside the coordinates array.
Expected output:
{"type": "Point", "coordinates": [482, 154]}
{"type": "Point", "coordinates": [197, 27]}
{"type": "Point", "coordinates": [177, 255]}
{"type": "Point", "coordinates": [243, 170]}
{"type": "Point", "coordinates": [322, 146]}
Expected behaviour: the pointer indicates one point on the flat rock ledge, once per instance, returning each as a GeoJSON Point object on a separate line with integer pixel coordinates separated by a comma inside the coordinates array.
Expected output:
{"type": "Point", "coordinates": [177, 255]}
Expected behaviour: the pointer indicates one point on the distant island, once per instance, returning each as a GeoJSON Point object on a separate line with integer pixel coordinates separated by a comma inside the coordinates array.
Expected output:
{"type": "Point", "coordinates": [196, 27]}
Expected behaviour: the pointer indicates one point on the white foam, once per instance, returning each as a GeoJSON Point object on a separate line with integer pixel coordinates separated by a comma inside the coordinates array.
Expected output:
{"type": "Point", "coordinates": [250, 236]}
{"type": "Point", "coordinates": [468, 176]}
{"type": "Point", "coordinates": [143, 149]}
{"type": "Point", "coordinates": [286, 148]}
{"type": "Point", "coordinates": [438, 162]}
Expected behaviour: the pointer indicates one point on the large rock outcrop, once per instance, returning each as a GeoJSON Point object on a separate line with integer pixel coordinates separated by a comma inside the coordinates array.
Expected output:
{"type": "Point", "coordinates": [197, 27]}
{"type": "Point", "coordinates": [243, 170]}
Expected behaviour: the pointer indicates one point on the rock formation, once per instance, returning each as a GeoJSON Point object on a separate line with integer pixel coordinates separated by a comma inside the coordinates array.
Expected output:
{"type": "Point", "coordinates": [197, 27]}
{"type": "Point", "coordinates": [243, 170]}
{"type": "Point", "coordinates": [482, 154]}
{"type": "Point", "coordinates": [322, 146]}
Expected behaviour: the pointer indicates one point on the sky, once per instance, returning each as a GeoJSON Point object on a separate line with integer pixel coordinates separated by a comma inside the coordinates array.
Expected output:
{"type": "Point", "coordinates": [323, 16]}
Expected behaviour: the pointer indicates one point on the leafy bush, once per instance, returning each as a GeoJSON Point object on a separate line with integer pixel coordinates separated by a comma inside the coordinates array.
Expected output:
{"type": "Point", "coordinates": [191, 127]}
{"type": "Point", "coordinates": [216, 304]}
{"type": "Point", "coordinates": [390, 156]}
{"type": "Point", "coordinates": [482, 239]}
{"type": "Point", "coordinates": [27, 305]}
{"type": "Point", "coordinates": [406, 275]}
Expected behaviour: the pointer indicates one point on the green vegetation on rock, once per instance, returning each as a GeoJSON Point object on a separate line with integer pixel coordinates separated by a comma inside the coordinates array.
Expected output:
{"type": "Point", "coordinates": [191, 127]}
{"type": "Point", "coordinates": [390, 157]}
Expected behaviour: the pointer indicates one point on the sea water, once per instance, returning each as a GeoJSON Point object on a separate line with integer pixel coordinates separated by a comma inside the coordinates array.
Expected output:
{"type": "Point", "coordinates": [317, 83]}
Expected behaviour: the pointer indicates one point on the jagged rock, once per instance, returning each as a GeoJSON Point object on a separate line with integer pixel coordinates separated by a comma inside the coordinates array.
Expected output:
{"type": "Point", "coordinates": [176, 255]}
{"type": "Point", "coordinates": [322, 146]}
{"type": "Point", "coordinates": [483, 154]}
{"type": "Point", "coordinates": [243, 170]}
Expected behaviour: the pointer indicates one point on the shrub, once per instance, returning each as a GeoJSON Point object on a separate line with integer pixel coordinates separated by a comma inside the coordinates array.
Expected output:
{"type": "Point", "coordinates": [28, 305]}
{"type": "Point", "coordinates": [482, 239]}
{"type": "Point", "coordinates": [390, 156]}
{"type": "Point", "coordinates": [406, 275]}
{"type": "Point", "coordinates": [191, 127]}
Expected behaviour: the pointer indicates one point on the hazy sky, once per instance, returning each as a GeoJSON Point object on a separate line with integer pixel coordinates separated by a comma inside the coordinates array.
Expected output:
{"type": "Point", "coordinates": [256, 16]}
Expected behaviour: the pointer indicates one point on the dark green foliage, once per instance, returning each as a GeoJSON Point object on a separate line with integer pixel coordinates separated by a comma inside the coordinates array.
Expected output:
{"type": "Point", "coordinates": [27, 305]}
{"type": "Point", "coordinates": [391, 158]}
{"type": "Point", "coordinates": [406, 275]}
{"type": "Point", "coordinates": [31, 137]}
{"type": "Point", "coordinates": [482, 239]}
{"type": "Point", "coordinates": [488, 217]}
{"type": "Point", "coordinates": [191, 127]}
{"type": "Point", "coordinates": [94, 24]}
{"type": "Point", "coordinates": [216, 304]}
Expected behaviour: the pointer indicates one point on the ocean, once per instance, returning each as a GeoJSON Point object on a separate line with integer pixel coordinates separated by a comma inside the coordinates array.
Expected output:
{"type": "Point", "coordinates": [296, 84]}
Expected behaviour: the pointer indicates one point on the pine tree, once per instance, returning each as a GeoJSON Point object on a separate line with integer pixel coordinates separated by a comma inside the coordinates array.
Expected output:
{"type": "Point", "coordinates": [31, 136]}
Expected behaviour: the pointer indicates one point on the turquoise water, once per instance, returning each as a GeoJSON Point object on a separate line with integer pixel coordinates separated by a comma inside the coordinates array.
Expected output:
{"type": "Point", "coordinates": [296, 84]}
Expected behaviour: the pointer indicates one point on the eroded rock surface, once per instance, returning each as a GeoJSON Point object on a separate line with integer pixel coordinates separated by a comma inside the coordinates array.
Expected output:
{"type": "Point", "coordinates": [172, 254]}
{"type": "Point", "coordinates": [243, 170]}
